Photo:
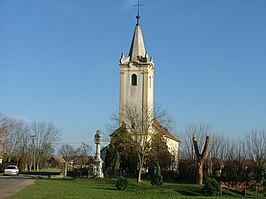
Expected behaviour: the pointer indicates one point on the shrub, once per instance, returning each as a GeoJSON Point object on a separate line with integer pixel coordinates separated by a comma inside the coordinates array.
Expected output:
{"type": "Point", "coordinates": [158, 178]}
{"type": "Point", "coordinates": [2, 168]}
{"type": "Point", "coordinates": [121, 183]}
{"type": "Point", "coordinates": [263, 179]}
{"type": "Point", "coordinates": [211, 187]}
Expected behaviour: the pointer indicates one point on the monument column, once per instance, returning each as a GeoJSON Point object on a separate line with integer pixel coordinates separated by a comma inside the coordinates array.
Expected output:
{"type": "Point", "coordinates": [98, 161]}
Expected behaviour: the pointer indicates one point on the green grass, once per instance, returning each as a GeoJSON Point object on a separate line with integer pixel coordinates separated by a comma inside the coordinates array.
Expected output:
{"type": "Point", "coordinates": [105, 188]}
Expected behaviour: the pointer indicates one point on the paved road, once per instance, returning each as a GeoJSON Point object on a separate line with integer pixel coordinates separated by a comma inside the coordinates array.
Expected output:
{"type": "Point", "coordinates": [10, 185]}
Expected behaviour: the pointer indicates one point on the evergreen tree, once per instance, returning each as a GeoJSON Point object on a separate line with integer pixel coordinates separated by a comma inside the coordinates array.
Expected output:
{"type": "Point", "coordinates": [211, 187]}
{"type": "Point", "coordinates": [262, 176]}
{"type": "Point", "coordinates": [159, 153]}
{"type": "Point", "coordinates": [123, 143]}
{"type": "Point", "coordinates": [157, 178]}
{"type": "Point", "coordinates": [23, 162]}
{"type": "Point", "coordinates": [112, 161]}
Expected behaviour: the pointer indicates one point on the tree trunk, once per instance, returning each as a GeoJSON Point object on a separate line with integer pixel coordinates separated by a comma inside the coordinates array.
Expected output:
{"type": "Point", "coordinates": [140, 169]}
{"type": "Point", "coordinates": [200, 158]}
{"type": "Point", "coordinates": [139, 175]}
{"type": "Point", "coordinates": [200, 172]}
{"type": "Point", "coordinates": [37, 165]}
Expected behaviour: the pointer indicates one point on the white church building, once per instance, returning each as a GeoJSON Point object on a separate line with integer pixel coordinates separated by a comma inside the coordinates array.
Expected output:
{"type": "Point", "coordinates": [137, 90]}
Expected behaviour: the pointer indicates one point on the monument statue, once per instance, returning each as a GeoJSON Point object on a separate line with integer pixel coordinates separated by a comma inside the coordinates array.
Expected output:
{"type": "Point", "coordinates": [98, 161]}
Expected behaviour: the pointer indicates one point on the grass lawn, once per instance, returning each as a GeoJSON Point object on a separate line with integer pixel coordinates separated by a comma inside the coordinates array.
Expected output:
{"type": "Point", "coordinates": [105, 188]}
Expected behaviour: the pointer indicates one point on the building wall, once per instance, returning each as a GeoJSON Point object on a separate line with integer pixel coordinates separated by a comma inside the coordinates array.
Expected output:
{"type": "Point", "coordinates": [173, 147]}
{"type": "Point", "coordinates": [140, 96]}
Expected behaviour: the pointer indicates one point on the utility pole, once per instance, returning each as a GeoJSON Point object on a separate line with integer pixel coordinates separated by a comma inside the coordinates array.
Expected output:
{"type": "Point", "coordinates": [33, 151]}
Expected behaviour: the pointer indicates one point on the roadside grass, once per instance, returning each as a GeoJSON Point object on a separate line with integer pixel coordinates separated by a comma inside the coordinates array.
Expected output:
{"type": "Point", "coordinates": [105, 189]}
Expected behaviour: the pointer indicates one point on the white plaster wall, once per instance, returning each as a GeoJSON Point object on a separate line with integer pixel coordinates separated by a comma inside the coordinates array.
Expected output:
{"type": "Point", "coordinates": [173, 148]}
{"type": "Point", "coordinates": [132, 95]}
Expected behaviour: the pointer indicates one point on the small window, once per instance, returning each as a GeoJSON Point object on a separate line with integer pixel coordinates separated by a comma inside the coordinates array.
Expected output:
{"type": "Point", "coordinates": [134, 80]}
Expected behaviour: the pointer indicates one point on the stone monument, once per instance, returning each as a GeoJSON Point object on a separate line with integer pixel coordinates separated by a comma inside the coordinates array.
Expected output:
{"type": "Point", "coordinates": [98, 161]}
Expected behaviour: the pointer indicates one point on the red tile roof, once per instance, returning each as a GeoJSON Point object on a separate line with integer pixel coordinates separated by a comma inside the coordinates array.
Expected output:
{"type": "Point", "coordinates": [59, 160]}
{"type": "Point", "coordinates": [159, 127]}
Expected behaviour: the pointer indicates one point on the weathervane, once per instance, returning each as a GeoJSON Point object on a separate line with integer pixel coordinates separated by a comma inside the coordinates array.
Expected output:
{"type": "Point", "coordinates": [138, 17]}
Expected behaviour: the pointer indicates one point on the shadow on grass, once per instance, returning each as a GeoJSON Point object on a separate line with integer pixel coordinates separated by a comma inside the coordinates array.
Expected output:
{"type": "Point", "coordinates": [185, 189]}
{"type": "Point", "coordinates": [133, 186]}
{"type": "Point", "coordinates": [59, 179]}
{"type": "Point", "coordinates": [106, 188]}
{"type": "Point", "coordinates": [188, 193]}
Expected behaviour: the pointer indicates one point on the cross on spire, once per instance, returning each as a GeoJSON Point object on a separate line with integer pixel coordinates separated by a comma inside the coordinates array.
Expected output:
{"type": "Point", "coordinates": [138, 16]}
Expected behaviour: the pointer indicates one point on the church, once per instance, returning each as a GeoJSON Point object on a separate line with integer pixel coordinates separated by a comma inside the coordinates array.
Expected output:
{"type": "Point", "coordinates": [136, 107]}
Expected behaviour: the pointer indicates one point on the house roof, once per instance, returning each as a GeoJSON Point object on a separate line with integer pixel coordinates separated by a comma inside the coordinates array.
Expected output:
{"type": "Point", "coordinates": [156, 125]}
{"type": "Point", "coordinates": [159, 127]}
{"type": "Point", "coordinates": [59, 159]}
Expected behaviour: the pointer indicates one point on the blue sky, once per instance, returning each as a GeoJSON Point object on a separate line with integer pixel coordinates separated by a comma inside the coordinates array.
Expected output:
{"type": "Point", "coordinates": [59, 61]}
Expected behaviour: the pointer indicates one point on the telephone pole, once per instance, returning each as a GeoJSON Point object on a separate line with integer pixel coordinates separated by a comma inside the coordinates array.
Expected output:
{"type": "Point", "coordinates": [33, 151]}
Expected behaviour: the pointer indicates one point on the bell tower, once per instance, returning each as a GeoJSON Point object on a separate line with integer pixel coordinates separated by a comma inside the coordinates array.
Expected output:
{"type": "Point", "coordinates": [136, 77]}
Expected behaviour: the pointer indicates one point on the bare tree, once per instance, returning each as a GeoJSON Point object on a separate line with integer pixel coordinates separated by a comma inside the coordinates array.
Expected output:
{"type": "Point", "coordinates": [139, 123]}
{"type": "Point", "coordinates": [200, 158]}
{"type": "Point", "coordinates": [19, 143]}
{"type": "Point", "coordinates": [218, 147]}
{"type": "Point", "coordinates": [46, 135]}
{"type": "Point", "coordinates": [162, 115]}
{"type": "Point", "coordinates": [83, 151]}
{"type": "Point", "coordinates": [12, 134]}
{"type": "Point", "coordinates": [200, 131]}
{"type": "Point", "coordinates": [256, 144]}
{"type": "Point", "coordinates": [67, 151]}
{"type": "Point", "coordinates": [5, 124]}
{"type": "Point", "coordinates": [15, 140]}
{"type": "Point", "coordinates": [236, 150]}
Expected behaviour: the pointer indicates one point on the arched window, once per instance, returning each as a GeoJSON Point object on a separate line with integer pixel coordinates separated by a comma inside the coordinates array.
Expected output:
{"type": "Point", "coordinates": [134, 80]}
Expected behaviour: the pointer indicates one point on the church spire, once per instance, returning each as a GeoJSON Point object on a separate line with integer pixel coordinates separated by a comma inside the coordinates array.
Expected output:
{"type": "Point", "coordinates": [137, 48]}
